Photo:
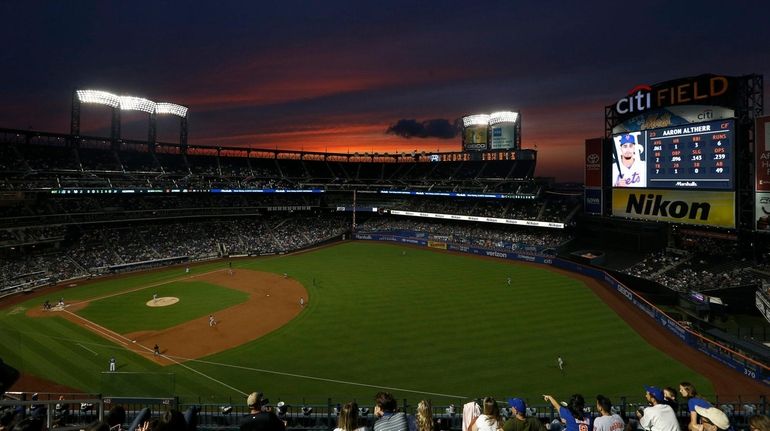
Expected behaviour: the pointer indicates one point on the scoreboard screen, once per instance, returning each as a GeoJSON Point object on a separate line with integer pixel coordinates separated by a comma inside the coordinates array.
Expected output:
{"type": "Point", "coordinates": [691, 156]}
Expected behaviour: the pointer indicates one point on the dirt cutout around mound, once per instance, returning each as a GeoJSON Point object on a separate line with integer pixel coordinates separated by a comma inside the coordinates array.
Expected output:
{"type": "Point", "coordinates": [252, 323]}
{"type": "Point", "coordinates": [273, 301]}
{"type": "Point", "coordinates": [162, 302]}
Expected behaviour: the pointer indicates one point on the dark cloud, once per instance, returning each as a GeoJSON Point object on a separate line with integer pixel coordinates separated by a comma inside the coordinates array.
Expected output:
{"type": "Point", "coordinates": [436, 128]}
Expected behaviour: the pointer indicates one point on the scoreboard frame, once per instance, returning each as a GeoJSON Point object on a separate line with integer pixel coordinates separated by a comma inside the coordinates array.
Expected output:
{"type": "Point", "coordinates": [697, 156]}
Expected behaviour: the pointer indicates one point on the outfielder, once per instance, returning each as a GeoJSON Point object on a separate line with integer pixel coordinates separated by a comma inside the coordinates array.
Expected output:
{"type": "Point", "coordinates": [112, 363]}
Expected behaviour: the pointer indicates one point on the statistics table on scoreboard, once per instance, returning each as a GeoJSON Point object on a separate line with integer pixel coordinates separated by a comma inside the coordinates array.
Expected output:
{"type": "Point", "coordinates": [691, 156]}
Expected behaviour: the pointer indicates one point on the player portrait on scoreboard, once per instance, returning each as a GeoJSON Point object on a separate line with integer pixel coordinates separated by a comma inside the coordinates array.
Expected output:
{"type": "Point", "coordinates": [629, 168]}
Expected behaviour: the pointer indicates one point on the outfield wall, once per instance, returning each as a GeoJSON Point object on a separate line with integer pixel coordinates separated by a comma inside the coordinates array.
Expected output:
{"type": "Point", "coordinates": [723, 354]}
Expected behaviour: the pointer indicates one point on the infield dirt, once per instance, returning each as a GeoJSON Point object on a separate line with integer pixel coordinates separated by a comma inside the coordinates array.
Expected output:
{"type": "Point", "coordinates": [273, 301]}
{"type": "Point", "coordinates": [262, 314]}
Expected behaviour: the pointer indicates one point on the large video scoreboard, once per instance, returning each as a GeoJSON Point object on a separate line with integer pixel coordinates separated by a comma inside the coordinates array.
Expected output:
{"type": "Point", "coordinates": [692, 156]}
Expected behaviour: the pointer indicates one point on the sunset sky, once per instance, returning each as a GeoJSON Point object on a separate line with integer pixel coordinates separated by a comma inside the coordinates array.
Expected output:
{"type": "Point", "coordinates": [334, 75]}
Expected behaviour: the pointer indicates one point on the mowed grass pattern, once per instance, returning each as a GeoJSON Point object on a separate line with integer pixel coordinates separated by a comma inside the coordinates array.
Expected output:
{"type": "Point", "coordinates": [425, 325]}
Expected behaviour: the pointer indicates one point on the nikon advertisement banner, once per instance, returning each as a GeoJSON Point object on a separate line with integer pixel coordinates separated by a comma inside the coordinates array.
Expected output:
{"type": "Point", "coordinates": [676, 206]}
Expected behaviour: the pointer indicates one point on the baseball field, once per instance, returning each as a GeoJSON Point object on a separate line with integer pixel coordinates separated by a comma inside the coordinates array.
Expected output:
{"type": "Point", "coordinates": [417, 322]}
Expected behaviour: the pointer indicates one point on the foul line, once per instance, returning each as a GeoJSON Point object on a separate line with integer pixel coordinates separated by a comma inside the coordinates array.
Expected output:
{"type": "Point", "coordinates": [99, 329]}
{"type": "Point", "coordinates": [171, 358]}
{"type": "Point", "coordinates": [120, 338]}
{"type": "Point", "coordinates": [95, 354]}
{"type": "Point", "coordinates": [176, 359]}
{"type": "Point", "coordinates": [160, 283]}
{"type": "Point", "coordinates": [322, 379]}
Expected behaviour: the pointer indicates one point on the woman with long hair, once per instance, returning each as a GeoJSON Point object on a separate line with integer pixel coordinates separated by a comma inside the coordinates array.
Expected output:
{"type": "Point", "coordinates": [424, 416]}
{"type": "Point", "coordinates": [759, 423]}
{"type": "Point", "coordinates": [691, 395]}
{"type": "Point", "coordinates": [348, 419]}
{"type": "Point", "coordinates": [490, 419]}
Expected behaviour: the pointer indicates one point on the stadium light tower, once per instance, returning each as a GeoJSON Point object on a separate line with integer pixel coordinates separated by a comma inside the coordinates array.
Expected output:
{"type": "Point", "coordinates": [476, 120]}
{"type": "Point", "coordinates": [127, 103]}
{"type": "Point", "coordinates": [97, 97]}
{"type": "Point", "coordinates": [506, 120]}
{"type": "Point", "coordinates": [164, 108]}
{"type": "Point", "coordinates": [131, 103]}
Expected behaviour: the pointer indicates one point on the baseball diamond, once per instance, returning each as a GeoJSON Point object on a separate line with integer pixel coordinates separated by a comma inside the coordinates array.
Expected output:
{"type": "Point", "coordinates": [368, 303]}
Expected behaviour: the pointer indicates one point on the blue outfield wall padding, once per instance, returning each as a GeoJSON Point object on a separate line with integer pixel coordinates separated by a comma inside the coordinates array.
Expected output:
{"type": "Point", "coordinates": [687, 336]}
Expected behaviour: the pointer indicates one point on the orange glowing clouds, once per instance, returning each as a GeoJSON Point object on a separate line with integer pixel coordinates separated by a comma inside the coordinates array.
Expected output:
{"type": "Point", "coordinates": [305, 73]}
{"type": "Point", "coordinates": [337, 139]}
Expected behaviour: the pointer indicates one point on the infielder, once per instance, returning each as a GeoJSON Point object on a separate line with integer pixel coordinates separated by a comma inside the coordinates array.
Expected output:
{"type": "Point", "coordinates": [212, 321]}
{"type": "Point", "coordinates": [301, 301]}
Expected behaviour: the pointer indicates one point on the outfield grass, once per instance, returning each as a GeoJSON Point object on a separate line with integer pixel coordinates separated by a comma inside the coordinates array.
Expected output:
{"type": "Point", "coordinates": [425, 325]}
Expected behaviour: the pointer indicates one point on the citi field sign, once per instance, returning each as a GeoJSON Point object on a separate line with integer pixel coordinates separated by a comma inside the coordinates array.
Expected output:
{"type": "Point", "coordinates": [713, 90]}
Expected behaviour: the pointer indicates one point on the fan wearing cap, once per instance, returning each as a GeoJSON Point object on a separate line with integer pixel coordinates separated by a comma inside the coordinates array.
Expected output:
{"type": "Point", "coordinates": [261, 417]}
{"type": "Point", "coordinates": [659, 416]}
{"type": "Point", "coordinates": [629, 170]}
{"type": "Point", "coordinates": [712, 419]}
{"type": "Point", "coordinates": [519, 421]}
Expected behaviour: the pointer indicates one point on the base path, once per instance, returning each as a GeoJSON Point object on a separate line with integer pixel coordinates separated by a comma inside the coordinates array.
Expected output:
{"type": "Point", "coordinates": [273, 301]}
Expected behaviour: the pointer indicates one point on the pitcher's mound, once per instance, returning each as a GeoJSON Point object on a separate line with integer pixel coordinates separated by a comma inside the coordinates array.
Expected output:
{"type": "Point", "coordinates": [162, 302]}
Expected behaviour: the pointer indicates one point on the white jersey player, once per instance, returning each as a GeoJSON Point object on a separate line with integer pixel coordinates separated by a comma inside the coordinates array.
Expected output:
{"type": "Point", "coordinates": [629, 170]}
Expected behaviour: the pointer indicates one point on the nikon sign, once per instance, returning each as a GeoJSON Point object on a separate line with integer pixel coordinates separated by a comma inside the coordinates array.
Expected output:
{"type": "Point", "coordinates": [676, 206]}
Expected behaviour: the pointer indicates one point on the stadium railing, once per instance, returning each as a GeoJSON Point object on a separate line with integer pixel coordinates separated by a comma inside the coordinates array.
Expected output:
{"type": "Point", "coordinates": [76, 411]}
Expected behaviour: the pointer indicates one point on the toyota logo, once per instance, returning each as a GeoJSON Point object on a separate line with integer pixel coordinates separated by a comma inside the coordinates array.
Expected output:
{"type": "Point", "coordinates": [592, 158]}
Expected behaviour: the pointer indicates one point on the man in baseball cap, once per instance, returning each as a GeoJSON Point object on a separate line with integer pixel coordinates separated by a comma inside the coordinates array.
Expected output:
{"type": "Point", "coordinates": [713, 419]}
{"type": "Point", "coordinates": [655, 392]}
{"type": "Point", "coordinates": [519, 421]}
{"type": "Point", "coordinates": [659, 416]}
{"type": "Point", "coordinates": [260, 417]}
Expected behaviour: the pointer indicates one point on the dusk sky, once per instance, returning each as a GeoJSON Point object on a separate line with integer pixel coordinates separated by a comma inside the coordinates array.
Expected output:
{"type": "Point", "coordinates": [334, 76]}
